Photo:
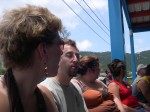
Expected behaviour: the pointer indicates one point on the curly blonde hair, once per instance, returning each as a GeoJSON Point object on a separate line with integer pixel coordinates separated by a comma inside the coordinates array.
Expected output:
{"type": "Point", "coordinates": [22, 29]}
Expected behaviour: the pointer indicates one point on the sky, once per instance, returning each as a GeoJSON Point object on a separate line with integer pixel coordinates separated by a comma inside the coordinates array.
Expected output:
{"type": "Point", "coordinates": [90, 30]}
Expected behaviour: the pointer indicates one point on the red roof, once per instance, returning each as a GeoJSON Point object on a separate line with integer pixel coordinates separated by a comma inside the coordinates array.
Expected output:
{"type": "Point", "coordinates": [139, 12]}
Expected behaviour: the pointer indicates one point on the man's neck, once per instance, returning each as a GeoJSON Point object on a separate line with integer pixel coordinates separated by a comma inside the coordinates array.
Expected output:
{"type": "Point", "coordinates": [63, 79]}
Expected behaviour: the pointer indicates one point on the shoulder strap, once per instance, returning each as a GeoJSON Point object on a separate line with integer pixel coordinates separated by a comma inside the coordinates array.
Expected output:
{"type": "Point", "coordinates": [78, 89]}
{"type": "Point", "coordinates": [101, 82]}
{"type": "Point", "coordinates": [80, 83]}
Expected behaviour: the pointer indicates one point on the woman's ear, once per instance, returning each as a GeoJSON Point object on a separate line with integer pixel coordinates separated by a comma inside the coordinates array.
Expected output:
{"type": "Point", "coordinates": [89, 70]}
{"type": "Point", "coordinates": [122, 72]}
{"type": "Point", "coordinates": [42, 50]}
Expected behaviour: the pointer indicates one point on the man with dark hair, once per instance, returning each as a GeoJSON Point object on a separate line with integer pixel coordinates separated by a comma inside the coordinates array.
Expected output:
{"type": "Point", "coordinates": [67, 95]}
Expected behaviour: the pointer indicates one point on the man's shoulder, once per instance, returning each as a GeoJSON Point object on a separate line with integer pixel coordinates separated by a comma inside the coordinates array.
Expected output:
{"type": "Point", "coordinates": [51, 84]}
{"type": "Point", "coordinates": [47, 81]}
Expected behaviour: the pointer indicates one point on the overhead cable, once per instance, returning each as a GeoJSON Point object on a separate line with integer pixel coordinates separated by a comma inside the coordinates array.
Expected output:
{"type": "Point", "coordinates": [96, 16]}
{"type": "Point", "coordinates": [91, 17]}
{"type": "Point", "coordinates": [97, 11]}
{"type": "Point", "coordinates": [86, 23]}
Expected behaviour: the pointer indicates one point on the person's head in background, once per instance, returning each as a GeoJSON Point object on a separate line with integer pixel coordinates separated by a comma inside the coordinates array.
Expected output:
{"type": "Point", "coordinates": [89, 68]}
{"type": "Point", "coordinates": [141, 70]}
{"type": "Point", "coordinates": [29, 31]}
{"type": "Point", "coordinates": [69, 59]}
{"type": "Point", "coordinates": [108, 75]}
{"type": "Point", "coordinates": [117, 68]}
{"type": "Point", "coordinates": [147, 70]}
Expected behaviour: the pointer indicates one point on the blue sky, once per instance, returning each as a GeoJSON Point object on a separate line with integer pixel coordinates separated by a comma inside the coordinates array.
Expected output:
{"type": "Point", "coordinates": [87, 40]}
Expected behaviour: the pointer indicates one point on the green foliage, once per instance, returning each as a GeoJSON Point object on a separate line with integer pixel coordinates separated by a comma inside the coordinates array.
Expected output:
{"type": "Point", "coordinates": [129, 81]}
{"type": "Point", "coordinates": [2, 71]}
{"type": "Point", "coordinates": [105, 58]}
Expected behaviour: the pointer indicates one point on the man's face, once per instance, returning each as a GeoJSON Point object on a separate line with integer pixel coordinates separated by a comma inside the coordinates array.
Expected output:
{"type": "Point", "coordinates": [142, 72]}
{"type": "Point", "coordinates": [69, 60]}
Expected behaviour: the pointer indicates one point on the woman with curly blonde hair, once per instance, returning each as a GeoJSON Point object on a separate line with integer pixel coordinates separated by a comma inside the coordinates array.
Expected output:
{"type": "Point", "coordinates": [30, 48]}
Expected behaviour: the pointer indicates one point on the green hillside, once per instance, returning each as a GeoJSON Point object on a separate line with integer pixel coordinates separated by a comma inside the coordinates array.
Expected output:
{"type": "Point", "coordinates": [105, 58]}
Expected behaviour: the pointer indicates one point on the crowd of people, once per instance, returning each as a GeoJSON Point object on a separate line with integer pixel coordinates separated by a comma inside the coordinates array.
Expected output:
{"type": "Point", "coordinates": [45, 73]}
{"type": "Point", "coordinates": [121, 90]}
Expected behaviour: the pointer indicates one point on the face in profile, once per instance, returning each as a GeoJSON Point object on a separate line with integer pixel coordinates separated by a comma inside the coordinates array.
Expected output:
{"type": "Point", "coordinates": [142, 72]}
{"type": "Point", "coordinates": [109, 75]}
{"type": "Point", "coordinates": [54, 54]}
{"type": "Point", "coordinates": [69, 62]}
{"type": "Point", "coordinates": [95, 71]}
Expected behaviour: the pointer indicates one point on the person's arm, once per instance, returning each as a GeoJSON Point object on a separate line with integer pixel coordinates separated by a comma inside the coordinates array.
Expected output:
{"type": "Point", "coordinates": [101, 83]}
{"type": "Point", "coordinates": [114, 89]}
{"type": "Point", "coordinates": [145, 106]}
{"type": "Point", "coordinates": [4, 98]}
{"type": "Point", "coordinates": [144, 88]}
{"type": "Point", "coordinates": [129, 109]}
{"type": "Point", "coordinates": [4, 103]}
{"type": "Point", "coordinates": [106, 106]}
{"type": "Point", "coordinates": [48, 97]}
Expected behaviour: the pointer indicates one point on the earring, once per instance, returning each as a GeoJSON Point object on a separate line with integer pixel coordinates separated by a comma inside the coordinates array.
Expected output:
{"type": "Point", "coordinates": [45, 70]}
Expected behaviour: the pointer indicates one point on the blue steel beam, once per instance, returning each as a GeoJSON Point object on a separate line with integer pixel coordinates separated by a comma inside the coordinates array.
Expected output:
{"type": "Point", "coordinates": [116, 29]}
{"type": "Point", "coordinates": [143, 29]}
{"type": "Point", "coordinates": [132, 56]}
{"type": "Point", "coordinates": [133, 62]}
{"type": "Point", "coordinates": [126, 11]}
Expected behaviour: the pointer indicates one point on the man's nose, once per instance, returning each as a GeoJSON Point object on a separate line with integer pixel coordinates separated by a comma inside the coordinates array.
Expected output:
{"type": "Point", "coordinates": [75, 58]}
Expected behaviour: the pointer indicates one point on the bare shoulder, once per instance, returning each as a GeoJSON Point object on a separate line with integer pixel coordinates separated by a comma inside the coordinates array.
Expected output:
{"type": "Point", "coordinates": [113, 88]}
{"type": "Point", "coordinates": [141, 82]}
{"type": "Point", "coordinates": [4, 102]}
{"type": "Point", "coordinates": [48, 97]}
{"type": "Point", "coordinates": [112, 85]}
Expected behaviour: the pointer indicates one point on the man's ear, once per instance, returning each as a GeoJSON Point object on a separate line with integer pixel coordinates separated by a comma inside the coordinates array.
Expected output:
{"type": "Point", "coordinates": [42, 50]}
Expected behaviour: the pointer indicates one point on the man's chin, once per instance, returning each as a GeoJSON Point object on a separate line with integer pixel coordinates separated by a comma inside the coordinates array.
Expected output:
{"type": "Point", "coordinates": [73, 74]}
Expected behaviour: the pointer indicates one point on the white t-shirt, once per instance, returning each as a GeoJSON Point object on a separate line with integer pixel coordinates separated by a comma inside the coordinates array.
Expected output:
{"type": "Point", "coordinates": [68, 98]}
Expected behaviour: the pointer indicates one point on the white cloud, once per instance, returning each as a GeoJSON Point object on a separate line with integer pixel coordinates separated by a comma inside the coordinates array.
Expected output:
{"type": "Point", "coordinates": [60, 9]}
{"type": "Point", "coordinates": [139, 49]}
{"type": "Point", "coordinates": [98, 4]}
{"type": "Point", "coordinates": [39, 2]}
{"type": "Point", "coordinates": [137, 46]}
{"type": "Point", "coordinates": [57, 7]}
{"type": "Point", "coordinates": [84, 45]}
{"type": "Point", "coordinates": [72, 24]}
{"type": "Point", "coordinates": [127, 48]}
{"type": "Point", "coordinates": [71, 1]}
{"type": "Point", "coordinates": [138, 41]}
